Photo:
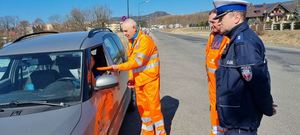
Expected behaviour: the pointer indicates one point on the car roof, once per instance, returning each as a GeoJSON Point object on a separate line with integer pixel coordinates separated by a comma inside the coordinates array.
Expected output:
{"type": "Point", "coordinates": [68, 41]}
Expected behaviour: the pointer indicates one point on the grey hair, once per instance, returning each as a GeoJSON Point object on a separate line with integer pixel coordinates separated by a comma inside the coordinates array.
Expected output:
{"type": "Point", "coordinates": [131, 22]}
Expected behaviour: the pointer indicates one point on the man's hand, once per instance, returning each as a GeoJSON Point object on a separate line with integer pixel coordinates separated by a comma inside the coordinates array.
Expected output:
{"type": "Point", "coordinates": [115, 67]}
{"type": "Point", "coordinates": [274, 108]}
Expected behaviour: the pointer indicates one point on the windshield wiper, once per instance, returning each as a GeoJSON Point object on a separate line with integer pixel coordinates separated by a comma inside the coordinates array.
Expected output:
{"type": "Point", "coordinates": [19, 103]}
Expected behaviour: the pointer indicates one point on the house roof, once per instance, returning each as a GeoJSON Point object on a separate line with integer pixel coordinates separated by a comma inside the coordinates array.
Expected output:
{"type": "Point", "coordinates": [260, 9]}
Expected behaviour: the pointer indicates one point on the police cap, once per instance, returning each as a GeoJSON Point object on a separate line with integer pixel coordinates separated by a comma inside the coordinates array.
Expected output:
{"type": "Point", "coordinates": [225, 6]}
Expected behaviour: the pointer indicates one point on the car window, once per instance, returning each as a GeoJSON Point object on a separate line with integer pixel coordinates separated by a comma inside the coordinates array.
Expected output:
{"type": "Point", "coordinates": [4, 63]}
{"type": "Point", "coordinates": [119, 44]}
{"type": "Point", "coordinates": [25, 67]}
{"type": "Point", "coordinates": [112, 49]}
{"type": "Point", "coordinates": [97, 54]}
{"type": "Point", "coordinates": [53, 77]}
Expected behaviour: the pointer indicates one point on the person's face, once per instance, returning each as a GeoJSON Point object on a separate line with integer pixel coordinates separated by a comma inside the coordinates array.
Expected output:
{"type": "Point", "coordinates": [128, 30]}
{"type": "Point", "coordinates": [214, 24]}
{"type": "Point", "coordinates": [228, 21]}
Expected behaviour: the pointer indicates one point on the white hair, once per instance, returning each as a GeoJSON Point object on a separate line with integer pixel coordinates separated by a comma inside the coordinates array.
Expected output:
{"type": "Point", "coordinates": [130, 22]}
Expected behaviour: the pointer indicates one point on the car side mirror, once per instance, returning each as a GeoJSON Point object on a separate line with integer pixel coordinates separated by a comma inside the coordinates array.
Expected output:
{"type": "Point", "coordinates": [106, 81]}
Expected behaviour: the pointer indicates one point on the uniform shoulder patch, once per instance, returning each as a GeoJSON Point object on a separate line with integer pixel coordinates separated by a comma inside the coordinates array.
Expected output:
{"type": "Point", "coordinates": [246, 73]}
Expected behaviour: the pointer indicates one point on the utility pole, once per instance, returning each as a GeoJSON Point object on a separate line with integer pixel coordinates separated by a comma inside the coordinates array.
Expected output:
{"type": "Point", "coordinates": [139, 18]}
{"type": "Point", "coordinates": [128, 8]}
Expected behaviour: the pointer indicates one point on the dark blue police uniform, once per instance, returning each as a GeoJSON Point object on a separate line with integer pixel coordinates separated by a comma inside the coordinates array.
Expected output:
{"type": "Point", "coordinates": [243, 81]}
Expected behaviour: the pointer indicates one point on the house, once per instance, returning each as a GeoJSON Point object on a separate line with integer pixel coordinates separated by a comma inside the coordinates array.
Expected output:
{"type": "Point", "coordinates": [48, 27]}
{"type": "Point", "coordinates": [273, 16]}
{"type": "Point", "coordinates": [114, 27]}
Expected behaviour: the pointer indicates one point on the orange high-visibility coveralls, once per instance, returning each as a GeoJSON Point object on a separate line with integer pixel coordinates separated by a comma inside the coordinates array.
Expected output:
{"type": "Point", "coordinates": [143, 65]}
{"type": "Point", "coordinates": [213, 55]}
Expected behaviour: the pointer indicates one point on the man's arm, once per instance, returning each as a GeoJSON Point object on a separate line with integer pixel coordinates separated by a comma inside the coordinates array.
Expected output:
{"type": "Point", "coordinates": [140, 55]}
{"type": "Point", "coordinates": [256, 75]}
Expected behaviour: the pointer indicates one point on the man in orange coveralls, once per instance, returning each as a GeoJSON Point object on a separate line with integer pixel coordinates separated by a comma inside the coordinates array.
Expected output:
{"type": "Point", "coordinates": [144, 72]}
{"type": "Point", "coordinates": [214, 48]}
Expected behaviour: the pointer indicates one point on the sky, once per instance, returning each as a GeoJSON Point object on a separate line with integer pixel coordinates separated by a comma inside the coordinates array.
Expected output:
{"type": "Point", "coordinates": [32, 9]}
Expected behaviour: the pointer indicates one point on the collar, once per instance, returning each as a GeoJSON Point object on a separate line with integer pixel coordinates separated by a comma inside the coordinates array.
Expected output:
{"type": "Point", "coordinates": [237, 29]}
{"type": "Point", "coordinates": [135, 35]}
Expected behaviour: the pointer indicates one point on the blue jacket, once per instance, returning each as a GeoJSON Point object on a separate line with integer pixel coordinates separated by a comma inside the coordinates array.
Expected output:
{"type": "Point", "coordinates": [243, 81]}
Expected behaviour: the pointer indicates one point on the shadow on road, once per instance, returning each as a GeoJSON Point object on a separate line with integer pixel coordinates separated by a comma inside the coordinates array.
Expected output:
{"type": "Point", "coordinates": [132, 122]}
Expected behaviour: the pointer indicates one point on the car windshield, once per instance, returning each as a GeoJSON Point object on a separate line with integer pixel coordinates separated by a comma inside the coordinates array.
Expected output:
{"type": "Point", "coordinates": [51, 77]}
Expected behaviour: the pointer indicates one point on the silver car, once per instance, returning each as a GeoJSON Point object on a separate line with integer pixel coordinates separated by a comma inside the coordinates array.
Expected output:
{"type": "Point", "coordinates": [49, 84]}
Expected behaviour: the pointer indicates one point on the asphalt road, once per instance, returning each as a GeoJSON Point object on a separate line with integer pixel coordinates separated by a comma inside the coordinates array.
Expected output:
{"type": "Point", "coordinates": [184, 88]}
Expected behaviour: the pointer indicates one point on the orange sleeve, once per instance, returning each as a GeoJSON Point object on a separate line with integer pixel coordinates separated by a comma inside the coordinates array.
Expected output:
{"type": "Point", "coordinates": [140, 54]}
{"type": "Point", "coordinates": [130, 75]}
{"type": "Point", "coordinates": [208, 44]}
{"type": "Point", "coordinates": [104, 68]}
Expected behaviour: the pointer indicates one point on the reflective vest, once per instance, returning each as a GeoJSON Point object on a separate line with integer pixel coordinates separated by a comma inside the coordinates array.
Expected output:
{"type": "Point", "coordinates": [143, 60]}
{"type": "Point", "coordinates": [213, 55]}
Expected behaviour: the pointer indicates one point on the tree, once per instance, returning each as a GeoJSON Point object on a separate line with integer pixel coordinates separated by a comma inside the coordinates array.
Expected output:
{"type": "Point", "coordinates": [38, 25]}
{"type": "Point", "coordinates": [57, 22]}
{"type": "Point", "coordinates": [100, 16]}
{"type": "Point", "coordinates": [23, 27]}
{"type": "Point", "coordinates": [8, 23]}
{"type": "Point", "coordinates": [297, 3]}
{"type": "Point", "coordinates": [76, 20]}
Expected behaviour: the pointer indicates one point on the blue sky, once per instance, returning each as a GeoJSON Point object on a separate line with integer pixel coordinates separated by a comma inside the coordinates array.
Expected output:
{"type": "Point", "coordinates": [32, 9]}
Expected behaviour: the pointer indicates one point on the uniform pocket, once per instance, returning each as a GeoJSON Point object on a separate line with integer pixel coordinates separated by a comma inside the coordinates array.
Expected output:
{"type": "Point", "coordinates": [229, 109]}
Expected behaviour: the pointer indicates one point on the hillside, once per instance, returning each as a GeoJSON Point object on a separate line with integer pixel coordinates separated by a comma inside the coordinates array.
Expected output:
{"type": "Point", "coordinates": [195, 19]}
{"type": "Point", "coordinates": [161, 17]}
{"type": "Point", "coordinates": [156, 14]}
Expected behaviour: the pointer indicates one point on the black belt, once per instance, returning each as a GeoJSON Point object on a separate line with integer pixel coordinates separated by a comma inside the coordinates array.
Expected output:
{"type": "Point", "coordinates": [242, 129]}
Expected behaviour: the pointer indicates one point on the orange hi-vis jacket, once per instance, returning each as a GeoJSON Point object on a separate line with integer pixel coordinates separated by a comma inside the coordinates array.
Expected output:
{"type": "Point", "coordinates": [143, 65]}
{"type": "Point", "coordinates": [143, 60]}
{"type": "Point", "coordinates": [213, 56]}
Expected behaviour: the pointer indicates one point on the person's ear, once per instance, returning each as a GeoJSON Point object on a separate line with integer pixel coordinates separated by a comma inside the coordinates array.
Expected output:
{"type": "Point", "coordinates": [237, 18]}
{"type": "Point", "coordinates": [135, 28]}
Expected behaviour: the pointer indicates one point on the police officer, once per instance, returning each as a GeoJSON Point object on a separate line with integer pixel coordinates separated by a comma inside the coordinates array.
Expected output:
{"type": "Point", "coordinates": [243, 80]}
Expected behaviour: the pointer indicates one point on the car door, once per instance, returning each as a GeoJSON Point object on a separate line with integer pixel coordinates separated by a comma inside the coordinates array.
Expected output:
{"type": "Point", "coordinates": [123, 56]}
{"type": "Point", "coordinates": [103, 100]}
{"type": "Point", "coordinates": [110, 99]}
{"type": "Point", "coordinates": [118, 57]}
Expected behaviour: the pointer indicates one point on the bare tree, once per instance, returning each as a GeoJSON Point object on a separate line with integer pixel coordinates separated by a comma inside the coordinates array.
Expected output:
{"type": "Point", "coordinates": [100, 15]}
{"type": "Point", "coordinates": [38, 25]}
{"type": "Point", "coordinates": [8, 23]}
{"type": "Point", "coordinates": [76, 20]}
{"type": "Point", "coordinates": [23, 27]}
{"type": "Point", "coordinates": [57, 22]}
{"type": "Point", "coordinates": [8, 26]}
